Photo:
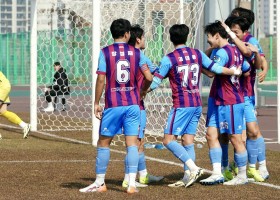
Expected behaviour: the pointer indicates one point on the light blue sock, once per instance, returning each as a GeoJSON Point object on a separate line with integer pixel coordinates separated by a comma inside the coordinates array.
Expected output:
{"type": "Point", "coordinates": [215, 155]}
{"type": "Point", "coordinates": [125, 165]}
{"type": "Point", "coordinates": [224, 155]}
{"type": "Point", "coordinates": [142, 162]}
{"type": "Point", "coordinates": [132, 159]}
{"type": "Point", "coordinates": [190, 149]}
{"type": "Point", "coordinates": [261, 149]}
{"type": "Point", "coordinates": [178, 151]}
{"type": "Point", "coordinates": [102, 160]}
{"type": "Point", "coordinates": [241, 158]}
{"type": "Point", "coordinates": [252, 149]}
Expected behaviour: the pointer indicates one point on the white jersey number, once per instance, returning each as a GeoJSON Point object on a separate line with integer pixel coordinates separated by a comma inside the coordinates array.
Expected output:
{"type": "Point", "coordinates": [123, 75]}
{"type": "Point", "coordinates": [186, 70]}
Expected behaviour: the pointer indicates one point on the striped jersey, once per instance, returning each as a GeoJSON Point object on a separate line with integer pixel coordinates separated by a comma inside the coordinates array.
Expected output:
{"type": "Point", "coordinates": [120, 63]}
{"type": "Point", "coordinates": [248, 82]}
{"type": "Point", "coordinates": [183, 68]}
{"type": "Point", "coordinates": [227, 88]}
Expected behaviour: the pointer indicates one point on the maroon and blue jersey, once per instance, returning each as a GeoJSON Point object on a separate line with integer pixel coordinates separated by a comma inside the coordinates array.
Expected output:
{"type": "Point", "coordinates": [228, 89]}
{"type": "Point", "coordinates": [248, 82]}
{"type": "Point", "coordinates": [120, 63]}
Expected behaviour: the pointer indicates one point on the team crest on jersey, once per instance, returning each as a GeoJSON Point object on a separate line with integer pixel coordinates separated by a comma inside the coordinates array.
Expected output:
{"type": "Point", "coordinates": [217, 59]}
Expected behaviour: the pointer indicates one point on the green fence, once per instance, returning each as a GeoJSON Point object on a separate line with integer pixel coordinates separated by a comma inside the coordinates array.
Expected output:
{"type": "Point", "coordinates": [73, 49]}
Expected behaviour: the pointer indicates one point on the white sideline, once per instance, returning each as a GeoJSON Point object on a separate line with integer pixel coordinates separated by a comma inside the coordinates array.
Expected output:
{"type": "Point", "coordinates": [123, 152]}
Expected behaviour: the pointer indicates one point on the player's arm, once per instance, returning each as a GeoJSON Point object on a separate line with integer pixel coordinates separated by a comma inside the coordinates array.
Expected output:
{"type": "Point", "coordinates": [217, 66]}
{"type": "Point", "coordinates": [153, 68]}
{"type": "Point", "coordinates": [164, 68]}
{"type": "Point", "coordinates": [147, 74]}
{"type": "Point", "coordinates": [264, 67]}
{"type": "Point", "coordinates": [100, 83]}
{"type": "Point", "coordinates": [208, 73]}
{"type": "Point", "coordinates": [257, 57]}
{"type": "Point", "coordinates": [240, 44]}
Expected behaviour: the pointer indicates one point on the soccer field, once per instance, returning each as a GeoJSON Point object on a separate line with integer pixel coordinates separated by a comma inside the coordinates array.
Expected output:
{"type": "Point", "coordinates": [55, 165]}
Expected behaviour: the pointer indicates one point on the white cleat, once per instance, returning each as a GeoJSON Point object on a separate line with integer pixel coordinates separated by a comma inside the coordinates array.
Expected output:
{"type": "Point", "coordinates": [194, 176]}
{"type": "Point", "coordinates": [94, 188]}
{"type": "Point", "coordinates": [264, 174]}
{"type": "Point", "coordinates": [213, 179]}
{"type": "Point", "coordinates": [180, 183]}
{"type": "Point", "coordinates": [237, 181]}
{"type": "Point", "coordinates": [150, 179]}
{"type": "Point", "coordinates": [49, 109]}
{"type": "Point", "coordinates": [26, 131]}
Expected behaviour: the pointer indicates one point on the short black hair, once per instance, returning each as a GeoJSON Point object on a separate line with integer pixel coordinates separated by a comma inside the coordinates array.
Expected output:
{"type": "Point", "coordinates": [179, 34]}
{"type": "Point", "coordinates": [135, 32]}
{"type": "Point", "coordinates": [119, 27]}
{"type": "Point", "coordinates": [245, 13]}
{"type": "Point", "coordinates": [242, 22]}
{"type": "Point", "coordinates": [56, 63]}
{"type": "Point", "coordinates": [216, 27]}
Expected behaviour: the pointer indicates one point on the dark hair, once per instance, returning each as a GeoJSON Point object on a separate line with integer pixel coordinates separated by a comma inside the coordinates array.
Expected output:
{"type": "Point", "coordinates": [216, 27]}
{"type": "Point", "coordinates": [245, 13]}
{"type": "Point", "coordinates": [179, 33]}
{"type": "Point", "coordinates": [56, 63]}
{"type": "Point", "coordinates": [119, 27]}
{"type": "Point", "coordinates": [135, 32]}
{"type": "Point", "coordinates": [240, 21]}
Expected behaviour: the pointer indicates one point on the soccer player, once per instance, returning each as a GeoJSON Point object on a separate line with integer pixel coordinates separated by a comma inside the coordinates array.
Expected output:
{"type": "Point", "coordinates": [119, 65]}
{"type": "Point", "coordinates": [137, 39]}
{"type": "Point", "coordinates": [255, 142]}
{"type": "Point", "coordinates": [225, 107]}
{"type": "Point", "coordinates": [5, 88]}
{"type": "Point", "coordinates": [59, 87]}
{"type": "Point", "coordinates": [183, 67]}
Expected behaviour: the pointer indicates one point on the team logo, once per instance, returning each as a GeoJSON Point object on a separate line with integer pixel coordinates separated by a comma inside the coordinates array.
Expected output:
{"type": "Point", "coordinates": [217, 59]}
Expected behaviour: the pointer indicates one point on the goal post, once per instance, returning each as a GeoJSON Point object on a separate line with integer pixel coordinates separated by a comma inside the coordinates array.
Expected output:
{"type": "Point", "coordinates": [73, 31]}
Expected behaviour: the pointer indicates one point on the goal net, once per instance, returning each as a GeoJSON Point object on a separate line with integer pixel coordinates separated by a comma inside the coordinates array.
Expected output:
{"type": "Point", "coordinates": [65, 35]}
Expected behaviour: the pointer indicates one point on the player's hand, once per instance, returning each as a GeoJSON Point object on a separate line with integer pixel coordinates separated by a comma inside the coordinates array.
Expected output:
{"type": "Point", "coordinates": [253, 48]}
{"type": "Point", "coordinates": [98, 111]}
{"type": "Point", "coordinates": [261, 76]}
{"type": "Point", "coordinates": [237, 71]}
{"type": "Point", "coordinates": [225, 27]}
{"type": "Point", "coordinates": [143, 94]}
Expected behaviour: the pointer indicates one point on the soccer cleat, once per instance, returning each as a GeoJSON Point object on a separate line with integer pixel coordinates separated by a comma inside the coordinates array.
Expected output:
{"type": "Point", "coordinates": [26, 131]}
{"type": "Point", "coordinates": [213, 180]}
{"type": "Point", "coordinates": [179, 183]}
{"type": "Point", "coordinates": [194, 176]}
{"type": "Point", "coordinates": [264, 174]}
{"type": "Point", "coordinates": [94, 188]}
{"type": "Point", "coordinates": [237, 181]}
{"type": "Point", "coordinates": [253, 173]}
{"type": "Point", "coordinates": [233, 168]}
{"type": "Point", "coordinates": [0, 136]}
{"type": "Point", "coordinates": [137, 184]}
{"type": "Point", "coordinates": [227, 175]}
{"type": "Point", "coordinates": [132, 190]}
{"type": "Point", "coordinates": [150, 179]}
{"type": "Point", "coordinates": [49, 109]}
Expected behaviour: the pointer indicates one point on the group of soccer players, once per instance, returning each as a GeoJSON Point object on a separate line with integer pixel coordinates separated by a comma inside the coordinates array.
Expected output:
{"type": "Point", "coordinates": [234, 57]}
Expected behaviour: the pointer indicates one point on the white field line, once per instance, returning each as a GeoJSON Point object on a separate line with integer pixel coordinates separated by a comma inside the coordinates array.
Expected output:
{"type": "Point", "coordinates": [147, 157]}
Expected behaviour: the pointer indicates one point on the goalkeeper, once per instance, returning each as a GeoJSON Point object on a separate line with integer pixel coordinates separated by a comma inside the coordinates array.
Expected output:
{"type": "Point", "coordinates": [137, 40]}
{"type": "Point", "coordinates": [5, 88]}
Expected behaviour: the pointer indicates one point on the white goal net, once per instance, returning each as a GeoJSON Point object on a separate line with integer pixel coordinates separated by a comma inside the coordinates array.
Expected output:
{"type": "Point", "coordinates": [64, 30]}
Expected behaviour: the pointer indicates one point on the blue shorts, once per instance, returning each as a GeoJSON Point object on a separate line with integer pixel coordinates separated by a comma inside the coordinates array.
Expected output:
{"type": "Point", "coordinates": [183, 121]}
{"type": "Point", "coordinates": [212, 111]}
{"type": "Point", "coordinates": [228, 119]}
{"type": "Point", "coordinates": [126, 118]}
{"type": "Point", "coordinates": [249, 111]}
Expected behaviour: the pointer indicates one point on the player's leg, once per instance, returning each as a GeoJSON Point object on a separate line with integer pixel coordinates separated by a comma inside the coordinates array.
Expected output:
{"type": "Point", "coordinates": [215, 151]}
{"type": "Point", "coordinates": [232, 115]}
{"type": "Point", "coordinates": [255, 143]}
{"type": "Point", "coordinates": [131, 126]}
{"type": "Point", "coordinates": [13, 117]}
{"type": "Point", "coordinates": [50, 95]}
{"type": "Point", "coordinates": [224, 141]}
{"type": "Point", "coordinates": [178, 120]}
{"type": "Point", "coordinates": [111, 122]}
{"type": "Point", "coordinates": [144, 176]}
